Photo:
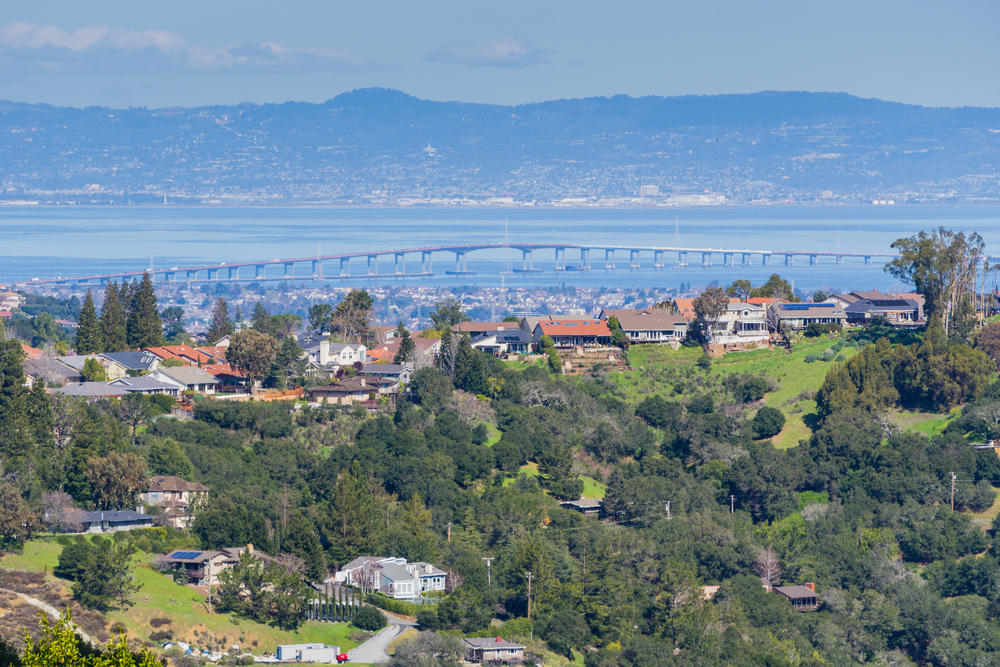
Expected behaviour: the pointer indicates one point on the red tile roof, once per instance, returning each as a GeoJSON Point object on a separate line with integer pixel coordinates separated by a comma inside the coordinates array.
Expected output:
{"type": "Point", "coordinates": [188, 355]}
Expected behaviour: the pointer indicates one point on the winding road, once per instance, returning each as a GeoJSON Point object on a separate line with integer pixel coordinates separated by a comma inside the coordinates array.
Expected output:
{"type": "Point", "coordinates": [374, 650]}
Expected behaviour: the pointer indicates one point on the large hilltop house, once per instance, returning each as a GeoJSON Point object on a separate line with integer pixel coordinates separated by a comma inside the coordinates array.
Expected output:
{"type": "Point", "coordinates": [176, 496]}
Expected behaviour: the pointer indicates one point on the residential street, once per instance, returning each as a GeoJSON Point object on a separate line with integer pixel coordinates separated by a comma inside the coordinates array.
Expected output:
{"type": "Point", "coordinates": [373, 650]}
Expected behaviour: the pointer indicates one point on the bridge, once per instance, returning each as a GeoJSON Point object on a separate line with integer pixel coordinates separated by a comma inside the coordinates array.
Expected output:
{"type": "Point", "coordinates": [284, 269]}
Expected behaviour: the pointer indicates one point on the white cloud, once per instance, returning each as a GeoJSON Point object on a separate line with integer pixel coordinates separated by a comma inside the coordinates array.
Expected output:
{"type": "Point", "coordinates": [101, 48]}
{"type": "Point", "coordinates": [506, 52]}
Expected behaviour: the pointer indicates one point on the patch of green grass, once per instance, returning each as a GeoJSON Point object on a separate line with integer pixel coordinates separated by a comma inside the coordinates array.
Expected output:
{"type": "Point", "coordinates": [592, 488]}
{"type": "Point", "coordinates": [38, 556]}
{"type": "Point", "coordinates": [928, 423]}
{"type": "Point", "coordinates": [495, 435]}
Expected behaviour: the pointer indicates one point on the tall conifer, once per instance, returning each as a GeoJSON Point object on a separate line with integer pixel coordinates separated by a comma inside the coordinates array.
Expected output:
{"type": "Point", "coordinates": [88, 332]}
{"type": "Point", "coordinates": [113, 318]}
{"type": "Point", "coordinates": [220, 326]}
{"type": "Point", "coordinates": [15, 428]}
{"type": "Point", "coordinates": [144, 325]}
{"type": "Point", "coordinates": [260, 319]}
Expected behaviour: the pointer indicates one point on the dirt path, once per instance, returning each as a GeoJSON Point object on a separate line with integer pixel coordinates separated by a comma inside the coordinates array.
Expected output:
{"type": "Point", "coordinates": [51, 611]}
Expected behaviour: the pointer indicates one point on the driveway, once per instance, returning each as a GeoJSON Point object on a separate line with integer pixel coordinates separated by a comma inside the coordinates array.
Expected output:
{"type": "Point", "coordinates": [51, 611]}
{"type": "Point", "coordinates": [373, 650]}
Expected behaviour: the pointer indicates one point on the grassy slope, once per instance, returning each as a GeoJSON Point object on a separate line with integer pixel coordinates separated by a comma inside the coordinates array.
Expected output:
{"type": "Point", "coordinates": [161, 597]}
{"type": "Point", "coordinates": [591, 487]}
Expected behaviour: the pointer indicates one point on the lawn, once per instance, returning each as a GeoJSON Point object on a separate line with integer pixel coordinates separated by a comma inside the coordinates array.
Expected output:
{"type": "Point", "coordinates": [591, 487]}
{"type": "Point", "coordinates": [187, 609]}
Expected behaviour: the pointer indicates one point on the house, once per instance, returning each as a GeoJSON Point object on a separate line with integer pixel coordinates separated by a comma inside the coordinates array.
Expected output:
{"type": "Point", "coordinates": [31, 352]}
{"type": "Point", "coordinates": [492, 649]}
{"type": "Point", "coordinates": [200, 568]}
{"type": "Point", "coordinates": [430, 578]}
{"type": "Point", "coordinates": [354, 390]}
{"type": "Point", "coordinates": [112, 369]}
{"type": "Point", "coordinates": [741, 324]}
{"type": "Point", "coordinates": [175, 495]}
{"type": "Point", "coordinates": [587, 507]}
{"type": "Point", "coordinates": [529, 322]}
{"type": "Point", "coordinates": [145, 385]}
{"type": "Point", "coordinates": [573, 333]}
{"type": "Point", "coordinates": [228, 378]}
{"type": "Point", "coordinates": [649, 325]}
{"type": "Point", "coordinates": [134, 362]}
{"type": "Point", "coordinates": [187, 355]}
{"type": "Point", "coordinates": [188, 378]}
{"type": "Point", "coordinates": [91, 390]}
{"type": "Point", "coordinates": [397, 372]}
{"type": "Point", "coordinates": [397, 582]}
{"type": "Point", "coordinates": [323, 353]}
{"type": "Point", "coordinates": [803, 598]}
{"type": "Point", "coordinates": [685, 308]}
{"type": "Point", "coordinates": [51, 371]}
{"type": "Point", "coordinates": [115, 521]}
{"type": "Point", "coordinates": [801, 315]}
{"type": "Point", "coordinates": [500, 343]}
{"type": "Point", "coordinates": [899, 312]}
{"type": "Point", "coordinates": [425, 350]}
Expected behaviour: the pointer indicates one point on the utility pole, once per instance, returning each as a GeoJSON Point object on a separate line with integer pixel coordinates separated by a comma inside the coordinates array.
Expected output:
{"type": "Point", "coordinates": [732, 504]}
{"type": "Point", "coordinates": [489, 571]}
{"type": "Point", "coordinates": [666, 506]}
{"type": "Point", "coordinates": [449, 531]}
{"type": "Point", "coordinates": [953, 492]}
{"type": "Point", "coordinates": [530, 577]}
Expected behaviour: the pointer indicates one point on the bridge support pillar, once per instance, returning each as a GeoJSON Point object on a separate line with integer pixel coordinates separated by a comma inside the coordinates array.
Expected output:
{"type": "Point", "coordinates": [682, 258]}
{"type": "Point", "coordinates": [460, 261]}
{"type": "Point", "coordinates": [400, 263]}
{"type": "Point", "coordinates": [585, 259]}
{"type": "Point", "coordinates": [317, 268]}
{"type": "Point", "coordinates": [373, 265]}
{"type": "Point", "coordinates": [657, 259]}
{"type": "Point", "coordinates": [706, 259]}
{"type": "Point", "coordinates": [813, 260]}
{"type": "Point", "coordinates": [633, 259]}
{"type": "Point", "coordinates": [789, 260]}
{"type": "Point", "coordinates": [765, 260]}
{"type": "Point", "coordinates": [840, 259]}
{"type": "Point", "coordinates": [260, 271]}
{"type": "Point", "coordinates": [345, 266]}
{"type": "Point", "coordinates": [527, 262]}
{"type": "Point", "coordinates": [289, 270]}
{"type": "Point", "coordinates": [727, 259]}
{"type": "Point", "coordinates": [425, 262]}
{"type": "Point", "coordinates": [609, 259]}
{"type": "Point", "coordinates": [868, 259]}
{"type": "Point", "coordinates": [213, 274]}
{"type": "Point", "coordinates": [192, 275]}
{"type": "Point", "coordinates": [234, 272]}
{"type": "Point", "coordinates": [747, 261]}
{"type": "Point", "coordinates": [560, 259]}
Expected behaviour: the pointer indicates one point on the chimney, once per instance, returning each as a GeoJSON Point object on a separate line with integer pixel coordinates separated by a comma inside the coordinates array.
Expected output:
{"type": "Point", "coordinates": [499, 640]}
{"type": "Point", "coordinates": [363, 382]}
{"type": "Point", "coordinates": [811, 586]}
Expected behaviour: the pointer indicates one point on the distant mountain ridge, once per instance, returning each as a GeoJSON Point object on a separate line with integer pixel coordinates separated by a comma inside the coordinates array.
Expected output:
{"type": "Point", "coordinates": [384, 146]}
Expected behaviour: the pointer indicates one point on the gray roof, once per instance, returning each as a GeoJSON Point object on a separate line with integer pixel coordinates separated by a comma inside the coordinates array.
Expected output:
{"type": "Point", "coordinates": [77, 361]}
{"type": "Point", "coordinates": [385, 369]}
{"type": "Point", "coordinates": [45, 365]}
{"type": "Point", "coordinates": [490, 643]}
{"type": "Point", "coordinates": [189, 375]}
{"type": "Point", "coordinates": [115, 516]}
{"type": "Point", "coordinates": [91, 390]}
{"type": "Point", "coordinates": [882, 305]}
{"type": "Point", "coordinates": [133, 361]}
{"type": "Point", "coordinates": [143, 383]}
{"type": "Point", "coordinates": [795, 592]}
{"type": "Point", "coordinates": [506, 336]}
{"type": "Point", "coordinates": [395, 572]}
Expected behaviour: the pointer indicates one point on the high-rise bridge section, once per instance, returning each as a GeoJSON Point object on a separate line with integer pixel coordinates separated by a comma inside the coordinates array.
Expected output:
{"type": "Point", "coordinates": [366, 264]}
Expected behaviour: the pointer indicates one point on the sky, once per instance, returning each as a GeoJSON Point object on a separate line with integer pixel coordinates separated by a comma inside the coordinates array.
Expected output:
{"type": "Point", "coordinates": [122, 53]}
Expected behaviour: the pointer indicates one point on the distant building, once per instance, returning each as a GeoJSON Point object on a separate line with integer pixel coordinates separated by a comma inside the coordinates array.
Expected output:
{"type": "Point", "coordinates": [492, 649]}
{"type": "Point", "coordinates": [649, 191]}
{"type": "Point", "coordinates": [115, 521]}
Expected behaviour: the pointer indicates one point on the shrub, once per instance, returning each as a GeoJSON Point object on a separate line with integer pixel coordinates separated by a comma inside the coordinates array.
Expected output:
{"type": "Point", "coordinates": [159, 621]}
{"type": "Point", "coordinates": [369, 618]}
{"type": "Point", "coordinates": [811, 358]}
{"type": "Point", "coordinates": [161, 635]}
{"type": "Point", "coordinates": [768, 423]}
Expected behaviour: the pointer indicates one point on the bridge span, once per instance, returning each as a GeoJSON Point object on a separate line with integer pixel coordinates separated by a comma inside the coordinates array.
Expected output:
{"type": "Point", "coordinates": [315, 265]}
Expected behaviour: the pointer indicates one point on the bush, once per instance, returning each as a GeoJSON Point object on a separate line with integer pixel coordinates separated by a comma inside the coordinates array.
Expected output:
{"type": "Point", "coordinates": [159, 621]}
{"type": "Point", "coordinates": [369, 618]}
{"type": "Point", "coordinates": [768, 423]}
{"type": "Point", "coordinates": [811, 358]}
{"type": "Point", "coordinates": [393, 605]}
{"type": "Point", "coordinates": [161, 635]}
{"type": "Point", "coordinates": [428, 618]}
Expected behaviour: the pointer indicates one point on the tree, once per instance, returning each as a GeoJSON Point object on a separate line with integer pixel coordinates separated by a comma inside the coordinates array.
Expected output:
{"type": "Point", "coordinates": [321, 317]}
{"type": "Point", "coordinates": [143, 326]}
{"type": "Point", "coordinates": [819, 296]}
{"type": "Point", "coordinates": [260, 319]}
{"type": "Point", "coordinates": [447, 314]}
{"type": "Point", "coordinates": [428, 649]}
{"type": "Point", "coordinates": [618, 337]}
{"type": "Point", "coordinates": [352, 318]}
{"type": "Point", "coordinates": [220, 325]}
{"type": "Point", "coordinates": [173, 323]}
{"type": "Point", "coordinates": [15, 429]}
{"type": "Point", "coordinates": [135, 410]}
{"type": "Point", "coordinates": [355, 516]}
{"type": "Point", "coordinates": [406, 345]}
{"type": "Point", "coordinates": [369, 618]}
{"type": "Point", "coordinates": [710, 306]}
{"type": "Point", "coordinates": [283, 324]}
{"type": "Point", "coordinates": [59, 645]}
{"type": "Point", "coordinates": [252, 353]}
{"type": "Point", "coordinates": [93, 371]}
{"type": "Point", "coordinates": [89, 339]}
{"type": "Point", "coordinates": [17, 521]}
{"type": "Point", "coordinates": [942, 266]}
{"type": "Point", "coordinates": [116, 480]}
{"type": "Point", "coordinates": [768, 422]}
{"type": "Point", "coordinates": [270, 591]}
{"type": "Point", "coordinates": [740, 289]}
{"type": "Point", "coordinates": [113, 329]}
{"type": "Point", "coordinates": [289, 363]}
{"type": "Point", "coordinates": [768, 567]}
{"type": "Point", "coordinates": [61, 513]}
{"type": "Point", "coordinates": [775, 288]}
{"type": "Point", "coordinates": [988, 340]}
{"type": "Point", "coordinates": [108, 576]}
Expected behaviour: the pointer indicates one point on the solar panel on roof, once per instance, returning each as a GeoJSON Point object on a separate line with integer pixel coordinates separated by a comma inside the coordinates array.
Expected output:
{"type": "Point", "coordinates": [187, 555]}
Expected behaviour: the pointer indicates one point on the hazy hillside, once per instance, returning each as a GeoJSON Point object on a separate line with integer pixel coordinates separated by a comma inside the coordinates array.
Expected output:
{"type": "Point", "coordinates": [764, 146]}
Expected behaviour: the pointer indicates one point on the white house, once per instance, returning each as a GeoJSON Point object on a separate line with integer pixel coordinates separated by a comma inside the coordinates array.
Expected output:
{"type": "Point", "coordinates": [392, 576]}
{"type": "Point", "coordinates": [187, 378]}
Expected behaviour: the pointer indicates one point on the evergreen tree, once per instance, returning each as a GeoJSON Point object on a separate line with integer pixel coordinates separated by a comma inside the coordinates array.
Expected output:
{"type": "Point", "coordinates": [290, 363]}
{"type": "Point", "coordinates": [260, 320]}
{"type": "Point", "coordinates": [173, 323]}
{"type": "Point", "coordinates": [15, 428]}
{"type": "Point", "coordinates": [89, 339]}
{"type": "Point", "coordinates": [144, 326]}
{"type": "Point", "coordinates": [113, 333]}
{"type": "Point", "coordinates": [406, 345]}
{"type": "Point", "coordinates": [220, 326]}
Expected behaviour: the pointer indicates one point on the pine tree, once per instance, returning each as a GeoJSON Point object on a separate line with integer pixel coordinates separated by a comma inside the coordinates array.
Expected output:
{"type": "Point", "coordinates": [406, 345]}
{"type": "Point", "coordinates": [260, 319]}
{"type": "Point", "coordinates": [144, 326]}
{"type": "Point", "coordinates": [113, 333]}
{"type": "Point", "coordinates": [89, 339]}
{"type": "Point", "coordinates": [220, 326]}
{"type": "Point", "coordinates": [15, 428]}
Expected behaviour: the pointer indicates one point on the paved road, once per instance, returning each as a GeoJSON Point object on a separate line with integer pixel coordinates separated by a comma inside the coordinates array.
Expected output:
{"type": "Point", "coordinates": [51, 611]}
{"type": "Point", "coordinates": [373, 650]}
